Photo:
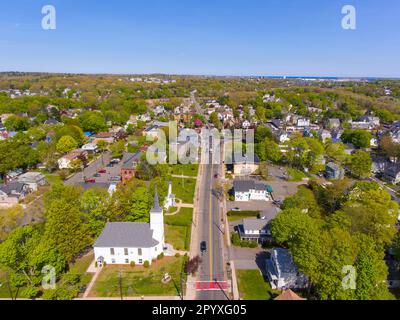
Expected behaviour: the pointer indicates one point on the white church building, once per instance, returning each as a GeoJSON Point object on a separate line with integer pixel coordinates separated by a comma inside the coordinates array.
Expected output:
{"type": "Point", "coordinates": [124, 242]}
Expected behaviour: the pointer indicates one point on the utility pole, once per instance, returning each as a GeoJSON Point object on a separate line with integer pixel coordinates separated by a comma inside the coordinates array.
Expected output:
{"type": "Point", "coordinates": [223, 291]}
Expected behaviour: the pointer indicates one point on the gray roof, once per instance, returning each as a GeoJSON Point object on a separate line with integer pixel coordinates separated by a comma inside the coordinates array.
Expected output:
{"type": "Point", "coordinates": [284, 260]}
{"type": "Point", "coordinates": [126, 235]}
{"type": "Point", "coordinates": [246, 185]}
{"type": "Point", "coordinates": [254, 224]}
{"type": "Point", "coordinates": [12, 187]}
{"type": "Point", "coordinates": [129, 159]}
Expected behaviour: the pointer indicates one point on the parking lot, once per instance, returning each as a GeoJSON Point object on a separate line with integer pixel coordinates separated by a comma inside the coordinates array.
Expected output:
{"type": "Point", "coordinates": [103, 180]}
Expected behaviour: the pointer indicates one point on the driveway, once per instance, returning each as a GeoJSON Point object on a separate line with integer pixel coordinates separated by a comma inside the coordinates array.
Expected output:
{"type": "Point", "coordinates": [247, 258]}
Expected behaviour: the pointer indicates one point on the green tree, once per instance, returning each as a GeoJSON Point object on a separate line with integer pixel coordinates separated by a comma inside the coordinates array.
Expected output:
{"type": "Point", "coordinates": [360, 164]}
{"type": "Point", "coordinates": [66, 144]}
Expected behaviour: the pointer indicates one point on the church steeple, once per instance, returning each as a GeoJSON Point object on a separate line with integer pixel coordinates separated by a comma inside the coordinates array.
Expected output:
{"type": "Point", "coordinates": [156, 204]}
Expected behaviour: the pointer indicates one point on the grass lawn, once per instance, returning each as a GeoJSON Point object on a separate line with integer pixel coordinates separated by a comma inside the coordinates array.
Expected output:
{"type": "Point", "coordinates": [252, 285]}
{"type": "Point", "coordinates": [138, 281]}
{"type": "Point", "coordinates": [178, 229]}
{"type": "Point", "coordinates": [239, 215]}
{"type": "Point", "coordinates": [184, 190]}
{"type": "Point", "coordinates": [185, 169]}
{"type": "Point", "coordinates": [53, 178]}
{"type": "Point", "coordinates": [81, 265]}
{"type": "Point", "coordinates": [295, 175]}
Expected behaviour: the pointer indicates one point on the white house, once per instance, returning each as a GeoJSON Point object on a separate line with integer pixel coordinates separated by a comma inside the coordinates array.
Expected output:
{"type": "Point", "coordinates": [90, 147]}
{"type": "Point", "coordinates": [66, 161]}
{"type": "Point", "coordinates": [33, 180]}
{"type": "Point", "coordinates": [282, 273]}
{"type": "Point", "coordinates": [247, 190]}
{"type": "Point", "coordinates": [126, 242]}
{"type": "Point", "coordinates": [253, 229]}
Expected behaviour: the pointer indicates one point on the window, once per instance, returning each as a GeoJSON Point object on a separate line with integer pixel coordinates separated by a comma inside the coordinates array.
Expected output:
{"type": "Point", "coordinates": [139, 251]}
{"type": "Point", "coordinates": [112, 252]}
{"type": "Point", "coordinates": [140, 261]}
{"type": "Point", "coordinates": [112, 260]}
{"type": "Point", "coordinates": [127, 261]}
{"type": "Point", "coordinates": [126, 251]}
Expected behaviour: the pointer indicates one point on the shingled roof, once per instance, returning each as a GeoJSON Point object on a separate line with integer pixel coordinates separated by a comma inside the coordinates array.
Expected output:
{"type": "Point", "coordinates": [126, 235]}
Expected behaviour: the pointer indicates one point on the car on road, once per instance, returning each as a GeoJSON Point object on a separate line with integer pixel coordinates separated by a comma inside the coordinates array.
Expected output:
{"type": "Point", "coordinates": [115, 161]}
{"type": "Point", "coordinates": [90, 180]}
{"type": "Point", "coordinates": [97, 175]}
{"type": "Point", "coordinates": [236, 209]}
{"type": "Point", "coordinates": [203, 247]}
{"type": "Point", "coordinates": [102, 171]}
{"type": "Point", "coordinates": [110, 165]}
{"type": "Point", "coordinates": [117, 178]}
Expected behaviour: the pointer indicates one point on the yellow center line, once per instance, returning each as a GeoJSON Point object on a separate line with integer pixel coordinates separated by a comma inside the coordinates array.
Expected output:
{"type": "Point", "coordinates": [210, 231]}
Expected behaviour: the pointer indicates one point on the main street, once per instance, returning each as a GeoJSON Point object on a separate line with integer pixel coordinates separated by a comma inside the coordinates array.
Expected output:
{"type": "Point", "coordinates": [211, 230]}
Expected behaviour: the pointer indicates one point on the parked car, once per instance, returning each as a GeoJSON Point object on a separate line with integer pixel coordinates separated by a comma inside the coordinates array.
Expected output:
{"type": "Point", "coordinates": [90, 181]}
{"type": "Point", "coordinates": [97, 175]}
{"type": "Point", "coordinates": [102, 171]}
{"type": "Point", "coordinates": [110, 165]}
{"type": "Point", "coordinates": [203, 247]}
{"type": "Point", "coordinates": [236, 209]}
{"type": "Point", "coordinates": [116, 160]}
{"type": "Point", "coordinates": [117, 178]}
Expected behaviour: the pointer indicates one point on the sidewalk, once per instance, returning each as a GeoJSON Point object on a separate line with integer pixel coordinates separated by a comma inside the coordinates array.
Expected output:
{"type": "Point", "coordinates": [190, 287]}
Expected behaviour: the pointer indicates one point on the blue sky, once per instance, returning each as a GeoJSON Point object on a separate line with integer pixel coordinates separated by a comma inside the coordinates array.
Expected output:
{"type": "Point", "coordinates": [219, 37]}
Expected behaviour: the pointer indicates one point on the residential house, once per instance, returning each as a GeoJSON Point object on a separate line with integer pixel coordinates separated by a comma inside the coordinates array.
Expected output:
{"type": "Point", "coordinates": [124, 242]}
{"type": "Point", "coordinates": [51, 122]}
{"type": "Point", "coordinates": [159, 110]}
{"type": "Point", "coordinates": [66, 161]}
{"type": "Point", "coordinates": [107, 137]}
{"type": "Point", "coordinates": [392, 173]}
{"type": "Point", "coordinates": [33, 180]}
{"type": "Point", "coordinates": [253, 229]}
{"type": "Point", "coordinates": [324, 135]}
{"type": "Point", "coordinates": [247, 190]}
{"type": "Point", "coordinates": [289, 295]}
{"type": "Point", "coordinates": [90, 147]}
{"type": "Point", "coordinates": [12, 193]}
{"type": "Point", "coordinates": [334, 171]}
{"type": "Point", "coordinates": [129, 163]}
{"type": "Point", "coordinates": [333, 123]}
{"type": "Point", "coordinates": [282, 272]}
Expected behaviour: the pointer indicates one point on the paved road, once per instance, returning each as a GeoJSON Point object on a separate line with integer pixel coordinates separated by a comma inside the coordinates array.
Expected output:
{"type": "Point", "coordinates": [212, 267]}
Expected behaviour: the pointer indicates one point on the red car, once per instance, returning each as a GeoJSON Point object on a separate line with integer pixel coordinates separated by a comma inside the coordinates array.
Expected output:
{"type": "Point", "coordinates": [102, 171]}
{"type": "Point", "coordinates": [90, 181]}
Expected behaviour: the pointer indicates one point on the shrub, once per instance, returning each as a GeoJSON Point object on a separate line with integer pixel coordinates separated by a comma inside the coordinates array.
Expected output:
{"type": "Point", "coordinates": [177, 255]}
{"type": "Point", "coordinates": [146, 264]}
{"type": "Point", "coordinates": [160, 256]}
{"type": "Point", "coordinates": [29, 292]}
{"type": "Point", "coordinates": [193, 265]}
{"type": "Point", "coordinates": [132, 264]}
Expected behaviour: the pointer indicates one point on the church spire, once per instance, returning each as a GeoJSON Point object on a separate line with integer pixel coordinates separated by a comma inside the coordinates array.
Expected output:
{"type": "Point", "coordinates": [156, 205]}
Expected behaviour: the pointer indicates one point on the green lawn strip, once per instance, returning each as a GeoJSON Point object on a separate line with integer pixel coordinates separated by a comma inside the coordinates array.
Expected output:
{"type": "Point", "coordinates": [252, 285]}
{"type": "Point", "coordinates": [189, 170]}
{"type": "Point", "coordinates": [137, 281]}
{"type": "Point", "coordinates": [239, 215]}
{"type": "Point", "coordinates": [178, 229]}
{"type": "Point", "coordinates": [184, 189]}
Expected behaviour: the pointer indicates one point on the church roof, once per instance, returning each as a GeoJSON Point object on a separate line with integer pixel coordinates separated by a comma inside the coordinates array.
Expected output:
{"type": "Point", "coordinates": [126, 235]}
